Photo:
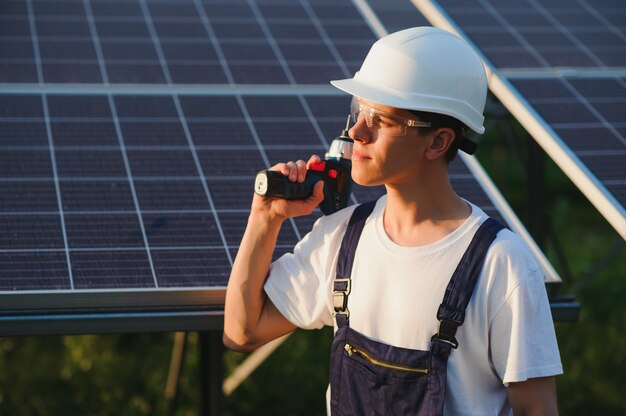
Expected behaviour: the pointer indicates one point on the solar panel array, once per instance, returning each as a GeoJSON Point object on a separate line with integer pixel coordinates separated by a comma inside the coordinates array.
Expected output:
{"type": "Point", "coordinates": [180, 42]}
{"type": "Point", "coordinates": [563, 72]}
{"type": "Point", "coordinates": [130, 133]}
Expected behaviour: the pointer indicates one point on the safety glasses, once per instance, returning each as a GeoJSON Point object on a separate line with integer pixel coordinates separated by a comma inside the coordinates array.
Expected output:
{"type": "Point", "coordinates": [384, 123]}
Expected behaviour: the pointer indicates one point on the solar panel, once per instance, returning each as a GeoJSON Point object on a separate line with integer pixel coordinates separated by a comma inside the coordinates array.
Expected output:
{"type": "Point", "coordinates": [142, 42]}
{"type": "Point", "coordinates": [130, 133]}
{"type": "Point", "coordinates": [588, 115]}
{"type": "Point", "coordinates": [559, 68]}
{"type": "Point", "coordinates": [544, 34]}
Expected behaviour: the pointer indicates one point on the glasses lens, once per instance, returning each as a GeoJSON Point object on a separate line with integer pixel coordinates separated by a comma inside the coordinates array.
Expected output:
{"type": "Point", "coordinates": [355, 109]}
{"type": "Point", "coordinates": [387, 124]}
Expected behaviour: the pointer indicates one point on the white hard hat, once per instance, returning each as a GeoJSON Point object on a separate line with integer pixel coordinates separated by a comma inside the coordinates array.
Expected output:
{"type": "Point", "coordinates": [424, 69]}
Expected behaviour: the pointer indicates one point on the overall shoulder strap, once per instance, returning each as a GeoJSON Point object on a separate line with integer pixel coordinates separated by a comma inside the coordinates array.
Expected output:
{"type": "Point", "coordinates": [341, 285]}
{"type": "Point", "coordinates": [451, 312]}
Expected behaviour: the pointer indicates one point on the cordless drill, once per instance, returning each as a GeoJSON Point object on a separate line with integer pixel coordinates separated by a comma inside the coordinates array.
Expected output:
{"type": "Point", "coordinates": [334, 170]}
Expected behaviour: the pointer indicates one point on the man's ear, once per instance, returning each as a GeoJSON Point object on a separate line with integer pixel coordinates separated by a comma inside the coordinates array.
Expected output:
{"type": "Point", "coordinates": [440, 143]}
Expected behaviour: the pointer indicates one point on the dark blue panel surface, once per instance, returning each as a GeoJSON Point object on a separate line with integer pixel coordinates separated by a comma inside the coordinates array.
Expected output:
{"type": "Point", "coordinates": [111, 269]}
{"type": "Point", "coordinates": [544, 34]}
{"type": "Point", "coordinates": [588, 115]}
{"type": "Point", "coordinates": [171, 195]}
{"type": "Point", "coordinates": [112, 181]}
{"type": "Point", "coordinates": [96, 195]}
{"type": "Point", "coordinates": [178, 43]}
{"type": "Point", "coordinates": [103, 231]}
{"type": "Point", "coordinates": [27, 270]}
{"type": "Point", "coordinates": [190, 268]}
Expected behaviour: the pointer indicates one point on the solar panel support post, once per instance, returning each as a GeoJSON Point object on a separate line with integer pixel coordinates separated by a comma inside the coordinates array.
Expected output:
{"type": "Point", "coordinates": [173, 376]}
{"type": "Point", "coordinates": [536, 193]}
{"type": "Point", "coordinates": [211, 371]}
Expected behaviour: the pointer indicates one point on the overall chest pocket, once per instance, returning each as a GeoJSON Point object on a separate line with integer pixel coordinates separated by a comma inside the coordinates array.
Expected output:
{"type": "Point", "coordinates": [383, 369]}
{"type": "Point", "coordinates": [379, 379]}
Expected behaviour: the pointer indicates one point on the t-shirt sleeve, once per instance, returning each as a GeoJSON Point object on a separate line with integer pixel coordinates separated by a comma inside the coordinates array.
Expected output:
{"type": "Point", "coordinates": [522, 337]}
{"type": "Point", "coordinates": [299, 283]}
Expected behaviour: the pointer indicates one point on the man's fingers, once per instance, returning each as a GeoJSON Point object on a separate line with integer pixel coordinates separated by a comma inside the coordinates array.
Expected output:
{"type": "Point", "coordinates": [296, 171]}
{"type": "Point", "coordinates": [318, 192]}
{"type": "Point", "coordinates": [301, 166]}
{"type": "Point", "coordinates": [313, 159]}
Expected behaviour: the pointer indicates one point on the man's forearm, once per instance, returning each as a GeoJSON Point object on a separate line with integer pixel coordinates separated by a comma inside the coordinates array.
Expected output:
{"type": "Point", "coordinates": [245, 297]}
{"type": "Point", "coordinates": [250, 318]}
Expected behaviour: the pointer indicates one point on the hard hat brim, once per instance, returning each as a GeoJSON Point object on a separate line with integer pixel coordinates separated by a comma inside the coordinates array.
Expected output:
{"type": "Point", "coordinates": [400, 99]}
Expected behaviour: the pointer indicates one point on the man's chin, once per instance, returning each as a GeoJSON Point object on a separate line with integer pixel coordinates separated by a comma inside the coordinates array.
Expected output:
{"type": "Point", "coordinates": [365, 180]}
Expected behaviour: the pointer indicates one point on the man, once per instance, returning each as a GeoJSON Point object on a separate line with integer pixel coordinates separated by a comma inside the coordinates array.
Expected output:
{"type": "Point", "coordinates": [398, 348]}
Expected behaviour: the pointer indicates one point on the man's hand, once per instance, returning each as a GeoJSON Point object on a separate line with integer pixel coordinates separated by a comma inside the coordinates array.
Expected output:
{"type": "Point", "coordinates": [281, 209]}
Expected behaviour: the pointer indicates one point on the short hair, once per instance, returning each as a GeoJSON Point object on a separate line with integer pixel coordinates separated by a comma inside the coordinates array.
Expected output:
{"type": "Point", "coordinates": [441, 120]}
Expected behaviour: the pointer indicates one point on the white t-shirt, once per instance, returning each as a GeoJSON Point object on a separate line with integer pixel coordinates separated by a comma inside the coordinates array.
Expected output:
{"type": "Point", "coordinates": [507, 335]}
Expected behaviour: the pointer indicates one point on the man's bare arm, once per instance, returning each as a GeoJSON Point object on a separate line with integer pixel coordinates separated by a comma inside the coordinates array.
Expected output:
{"type": "Point", "coordinates": [535, 396]}
{"type": "Point", "coordinates": [250, 318]}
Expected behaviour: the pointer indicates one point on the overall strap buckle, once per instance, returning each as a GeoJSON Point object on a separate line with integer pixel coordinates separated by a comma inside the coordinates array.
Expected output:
{"type": "Point", "coordinates": [451, 312]}
{"type": "Point", "coordinates": [345, 260]}
{"type": "Point", "coordinates": [446, 332]}
{"type": "Point", "coordinates": [341, 290]}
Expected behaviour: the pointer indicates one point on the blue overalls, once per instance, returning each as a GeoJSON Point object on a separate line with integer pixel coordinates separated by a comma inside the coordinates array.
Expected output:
{"type": "Point", "coordinates": [368, 377]}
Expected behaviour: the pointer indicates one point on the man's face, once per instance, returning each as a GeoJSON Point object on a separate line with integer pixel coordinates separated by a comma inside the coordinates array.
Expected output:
{"type": "Point", "coordinates": [379, 157]}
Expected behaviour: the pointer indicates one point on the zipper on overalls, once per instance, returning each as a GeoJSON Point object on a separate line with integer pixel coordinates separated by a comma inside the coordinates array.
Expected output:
{"type": "Point", "coordinates": [352, 350]}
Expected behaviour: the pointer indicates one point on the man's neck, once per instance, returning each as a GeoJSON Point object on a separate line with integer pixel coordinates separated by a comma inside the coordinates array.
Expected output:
{"type": "Point", "coordinates": [423, 213]}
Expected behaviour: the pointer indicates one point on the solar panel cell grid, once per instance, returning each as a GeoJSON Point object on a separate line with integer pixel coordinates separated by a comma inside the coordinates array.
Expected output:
{"type": "Point", "coordinates": [71, 73]}
{"type": "Point", "coordinates": [103, 231]}
{"type": "Point", "coordinates": [227, 195]}
{"type": "Point", "coordinates": [230, 162]}
{"type": "Point", "coordinates": [30, 232]}
{"type": "Point", "coordinates": [154, 133]}
{"type": "Point", "coordinates": [551, 34]}
{"type": "Point", "coordinates": [150, 189]}
{"type": "Point", "coordinates": [224, 107]}
{"type": "Point", "coordinates": [308, 74]}
{"type": "Point", "coordinates": [51, 51]}
{"type": "Point", "coordinates": [181, 230]}
{"type": "Point", "coordinates": [130, 38]}
{"type": "Point", "coordinates": [25, 164]}
{"type": "Point", "coordinates": [135, 74]}
{"type": "Point", "coordinates": [111, 269]}
{"type": "Point", "coordinates": [90, 163]}
{"type": "Point", "coordinates": [13, 106]}
{"type": "Point", "coordinates": [581, 138]}
{"type": "Point", "coordinates": [27, 270]}
{"type": "Point", "coordinates": [100, 220]}
{"type": "Point", "coordinates": [88, 133]}
{"type": "Point", "coordinates": [588, 114]}
{"type": "Point", "coordinates": [91, 195]}
{"type": "Point", "coordinates": [109, 8]}
{"type": "Point", "coordinates": [162, 163]}
{"type": "Point", "coordinates": [190, 268]}
{"type": "Point", "coordinates": [610, 167]}
{"type": "Point", "coordinates": [78, 107]}
{"type": "Point", "coordinates": [215, 133]}
{"type": "Point", "coordinates": [27, 196]}
{"type": "Point", "coordinates": [286, 132]}
{"type": "Point", "coordinates": [566, 60]}
{"type": "Point", "coordinates": [135, 28]}
{"type": "Point", "coordinates": [22, 133]}
{"type": "Point", "coordinates": [171, 195]}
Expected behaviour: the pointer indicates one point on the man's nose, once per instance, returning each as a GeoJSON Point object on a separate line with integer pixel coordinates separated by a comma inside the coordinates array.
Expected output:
{"type": "Point", "coordinates": [360, 132]}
